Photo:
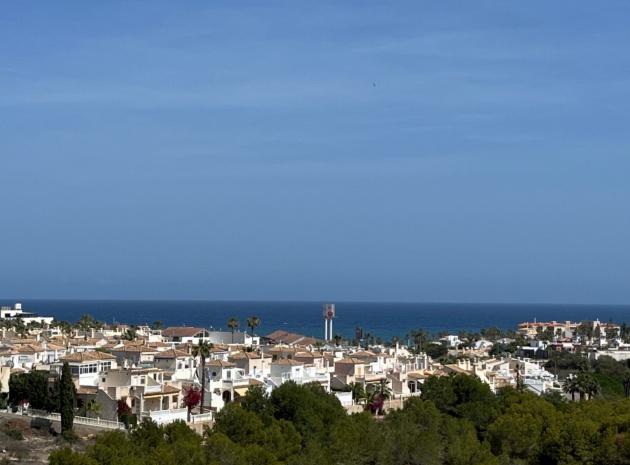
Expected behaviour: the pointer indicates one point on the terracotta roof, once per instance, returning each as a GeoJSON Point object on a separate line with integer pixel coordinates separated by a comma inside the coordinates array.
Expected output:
{"type": "Point", "coordinates": [363, 353]}
{"type": "Point", "coordinates": [52, 346]}
{"type": "Point", "coordinates": [308, 341]}
{"type": "Point", "coordinates": [220, 363]}
{"type": "Point", "coordinates": [287, 362]}
{"type": "Point", "coordinates": [166, 389]}
{"type": "Point", "coordinates": [134, 349]}
{"type": "Point", "coordinates": [309, 354]}
{"type": "Point", "coordinates": [86, 356]}
{"type": "Point", "coordinates": [246, 355]}
{"type": "Point", "coordinates": [87, 390]}
{"type": "Point", "coordinates": [220, 348]}
{"type": "Point", "coordinates": [181, 331]}
{"type": "Point", "coordinates": [158, 345]}
{"type": "Point", "coordinates": [136, 371]}
{"type": "Point", "coordinates": [90, 341]}
{"type": "Point", "coordinates": [282, 350]}
{"type": "Point", "coordinates": [172, 353]}
{"type": "Point", "coordinates": [352, 360]}
{"type": "Point", "coordinates": [277, 334]}
{"type": "Point", "coordinates": [458, 369]}
{"type": "Point", "coordinates": [30, 348]}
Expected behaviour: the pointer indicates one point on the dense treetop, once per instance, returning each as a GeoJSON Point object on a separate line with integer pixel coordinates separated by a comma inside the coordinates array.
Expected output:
{"type": "Point", "coordinates": [457, 421]}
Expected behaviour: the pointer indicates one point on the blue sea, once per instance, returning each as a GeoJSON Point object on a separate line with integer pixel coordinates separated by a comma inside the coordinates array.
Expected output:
{"type": "Point", "coordinates": [381, 319]}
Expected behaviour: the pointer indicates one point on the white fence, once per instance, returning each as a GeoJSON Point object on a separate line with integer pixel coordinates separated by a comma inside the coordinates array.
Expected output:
{"type": "Point", "coordinates": [202, 417]}
{"type": "Point", "coordinates": [79, 420]}
{"type": "Point", "coordinates": [166, 416]}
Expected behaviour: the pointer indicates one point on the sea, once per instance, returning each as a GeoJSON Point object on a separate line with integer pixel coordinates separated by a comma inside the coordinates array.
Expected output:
{"type": "Point", "coordinates": [380, 319]}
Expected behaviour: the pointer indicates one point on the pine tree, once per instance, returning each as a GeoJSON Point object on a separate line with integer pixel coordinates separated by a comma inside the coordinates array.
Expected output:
{"type": "Point", "coordinates": [68, 398]}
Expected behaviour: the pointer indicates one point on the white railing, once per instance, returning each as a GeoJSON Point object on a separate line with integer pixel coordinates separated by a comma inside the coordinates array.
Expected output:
{"type": "Point", "coordinates": [201, 417]}
{"type": "Point", "coordinates": [167, 416]}
{"type": "Point", "coordinates": [80, 420]}
{"type": "Point", "coordinates": [149, 389]}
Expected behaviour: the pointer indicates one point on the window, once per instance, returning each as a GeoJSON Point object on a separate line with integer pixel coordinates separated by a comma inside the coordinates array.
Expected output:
{"type": "Point", "coordinates": [91, 368]}
{"type": "Point", "coordinates": [105, 366]}
{"type": "Point", "coordinates": [143, 379]}
{"type": "Point", "coordinates": [103, 380]}
{"type": "Point", "coordinates": [174, 399]}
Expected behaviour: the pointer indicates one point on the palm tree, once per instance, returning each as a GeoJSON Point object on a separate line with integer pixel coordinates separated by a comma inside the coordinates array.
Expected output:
{"type": "Point", "coordinates": [233, 323]}
{"type": "Point", "coordinates": [202, 350]}
{"type": "Point", "coordinates": [130, 334]}
{"type": "Point", "coordinates": [157, 325]}
{"type": "Point", "coordinates": [92, 409]}
{"type": "Point", "coordinates": [570, 386]}
{"type": "Point", "coordinates": [383, 390]}
{"type": "Point", "coordinates": [337, 339]}
{"type": "Point", "coordinates": [358, 392]}
{"type": "Point", "coordinates": [252, 322]}
{"type": "Point", "coordinates": [367, 337]}
{"type": "Point", "coordinates": [626, 384]}
{"type": "Point", "coordinates": [372, 402]}
{"type": "Point", "coordinates": [587, 386]}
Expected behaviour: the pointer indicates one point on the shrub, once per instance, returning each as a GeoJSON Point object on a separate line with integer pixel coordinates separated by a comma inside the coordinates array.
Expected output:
{"type": "Point", "coordinates": [14, 433]}
{"type": "Point", "coordinates": [69, 436]}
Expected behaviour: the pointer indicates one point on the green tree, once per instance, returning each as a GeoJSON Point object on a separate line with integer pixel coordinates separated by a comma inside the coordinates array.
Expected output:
{"type": "Point", "coordinates": [357, 390]}
{"type": "Point", "coordinates": [93, 409]}
{"type": "Point", "coordinates": [31, 387]}
{"type": "Point", "coordinates": [570, 386]}
{"type": "Point", "coordinates": [233, 323]}
{"type": "Point", "coordinates": [66, 456]}
{"type": "Point", "coordinates": [435, 351]}
{"type": "Point", "coordinates": [87, 322]}
{"type": "Point", "coordinates": [309, 408]}
{"type": "Point", "coordinates": [257, 401]}
{"type": "Point", "coordinates": [367, 337]}
{"type": "Point", "coordinates": [202, 350]}
{"type": "Point", "coordinates": [588, 386]}
{"type": "Point", "coordinates": [130, 334]}
{"type": "Point", "coordinates": [440, 391]}
{"type": "Point", "coordinates": [157, 325]}
{"type": "Point", "coordinates": [68, 398]}
{"type": "Point", "coordinates": [252, 323]}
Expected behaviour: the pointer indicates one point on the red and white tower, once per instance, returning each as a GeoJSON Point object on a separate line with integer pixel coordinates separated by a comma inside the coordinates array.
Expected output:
{"type": "Point", "coordinates": [328, 311]}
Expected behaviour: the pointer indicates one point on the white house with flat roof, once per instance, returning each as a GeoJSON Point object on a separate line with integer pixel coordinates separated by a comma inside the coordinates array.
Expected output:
{"type": "Point", "coordinates": [16, 312]}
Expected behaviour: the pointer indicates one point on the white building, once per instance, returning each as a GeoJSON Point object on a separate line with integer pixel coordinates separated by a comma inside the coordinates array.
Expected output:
{"type": "Point", "coordinates": [16, 312]}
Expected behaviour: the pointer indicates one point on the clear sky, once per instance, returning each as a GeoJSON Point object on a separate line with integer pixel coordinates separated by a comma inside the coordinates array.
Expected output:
{"type": "Point", "coordinates": [389, 151]}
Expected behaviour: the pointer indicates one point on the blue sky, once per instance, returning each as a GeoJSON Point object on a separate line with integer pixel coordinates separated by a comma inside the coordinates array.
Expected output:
{"type": "Point", "coordinates": [408, 151]}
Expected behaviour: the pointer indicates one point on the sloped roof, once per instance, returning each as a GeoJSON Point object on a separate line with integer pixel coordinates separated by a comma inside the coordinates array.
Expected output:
{"type": "Point", "coordinates": [167, 389]}
{"type": "Point", "coordinates": [86, 356]}
{"type": "Point", "coordinates": [246, 355]}
{"type": "Point", "coordinates": [30, 348]}
{"type": "Point", "coordinates": [287, 362]}
{"type": "Point", "coordinates": [363, 353]}
{"type": "Point", "coordinates": [172, 353]}
{"type": "Point", "coordinates": [181, 331]}
{"type": "Point", "coordinates": [220, 363]}
{"type": "Point", "coordinates": [352, 360]}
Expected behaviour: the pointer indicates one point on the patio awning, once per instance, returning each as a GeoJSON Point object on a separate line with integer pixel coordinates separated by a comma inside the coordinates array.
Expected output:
{"type": "Point", "coordinates": [241, 391]}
